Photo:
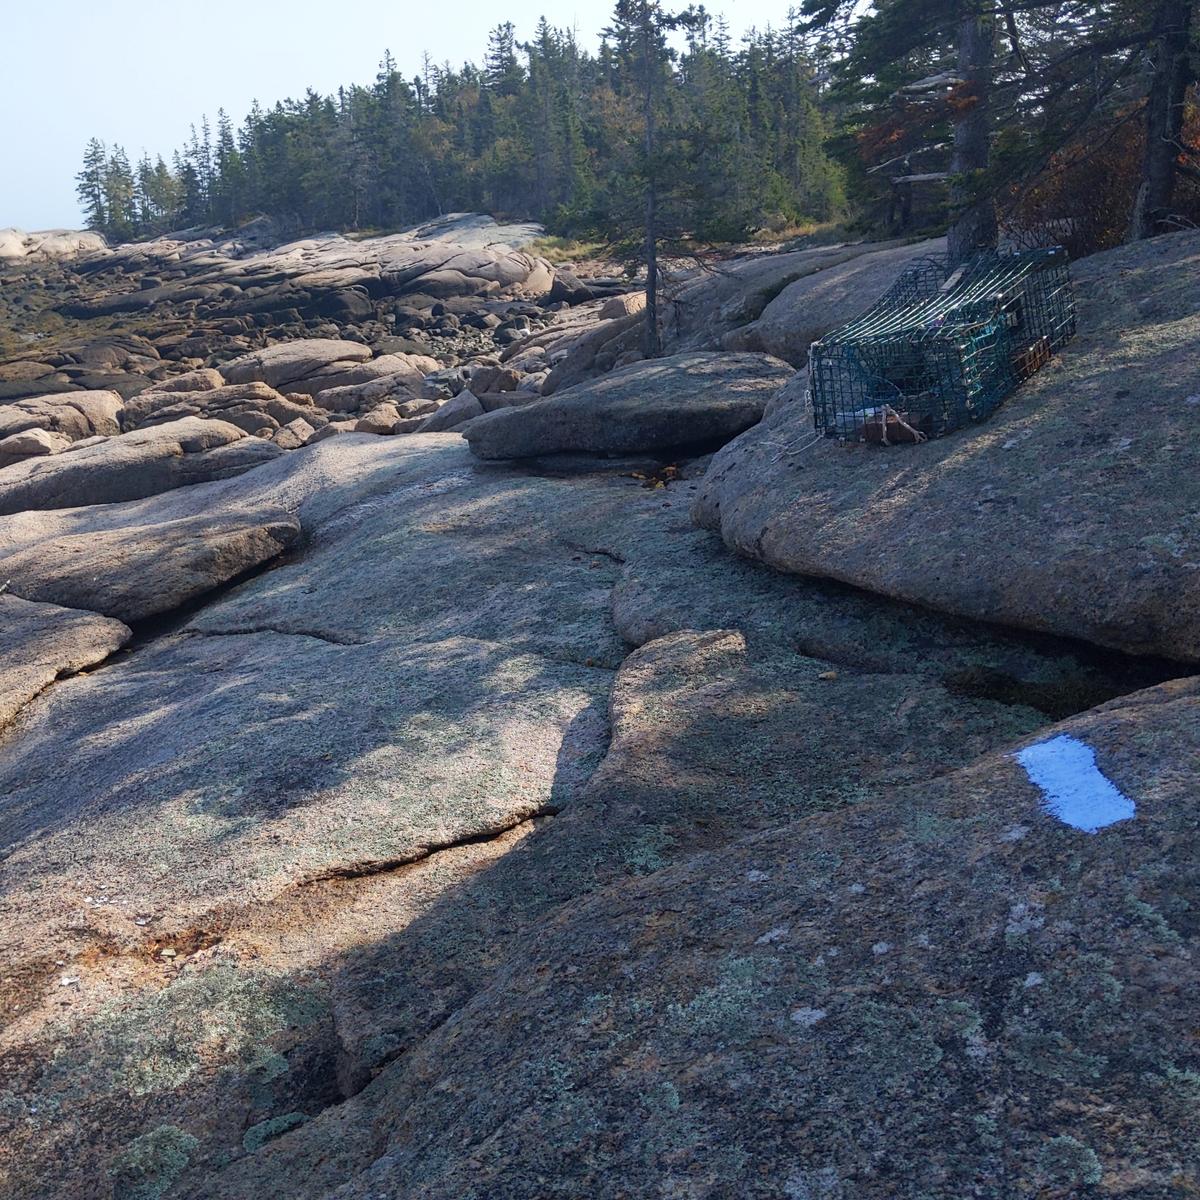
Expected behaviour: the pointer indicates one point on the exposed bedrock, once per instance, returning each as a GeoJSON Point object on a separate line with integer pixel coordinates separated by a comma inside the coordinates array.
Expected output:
{"type": "Point", "coordinates": [1071, 511]}
{"type": "Point", "coordinates": [384, 818]}
{"type": "Point", "coordinates": [697, 399]}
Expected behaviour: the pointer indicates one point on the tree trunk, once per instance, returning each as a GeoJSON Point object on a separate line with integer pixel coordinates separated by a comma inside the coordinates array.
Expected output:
{"type": "Point", "coordinates": [974, 226]}
{"type": "Point", "coordinates": [651, 342]}
{"type": "Point", "coordinates": [1164, 117]}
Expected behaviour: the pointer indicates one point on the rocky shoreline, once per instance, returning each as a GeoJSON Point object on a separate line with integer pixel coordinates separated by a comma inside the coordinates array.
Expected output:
{"type": "Point", "coordinates": [447, 756]}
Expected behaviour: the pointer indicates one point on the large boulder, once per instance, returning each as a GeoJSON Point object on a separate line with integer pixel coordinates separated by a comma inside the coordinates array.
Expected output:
{"type": "Point", "coordinates": [133, 465]}
{"type": "Point", "coordinates": [31, 443]}
{"type": "Point", "coordinates": [43, 642]}
{"type": "Point", "coordinates": [408, 369]}
{"type": "Point", "coordinates": [689, 580]}
{"type": "Point", "coordinates": [74, 415]}
{"type": "Point", "coordinates": [1072, 511]}
{"type": "Point", "coordinates": [581, 351]}
{"type": "Point", "coordinates": [49, 243]}
{"type": "Point", "coordinates": [287, 363]}
{"type": "Point", "coordinates": [250, 406]}
{"type": "Point", "coordinates": [825, 297]}
{"type": "Point", "coordinates": [141, 570]}
{"type": "Point", "coordinates": [356, 397]}
{"type": "Point", "coordinates": [723, 307]}
{"type": "Point", "coordinates": [204, 379]}
{"type": "Point", "coordinates": [139, 558]}
{"type": "Point", "coordinates": [455, 412]}
{"type": "Point", "coordinates": [693, 399]}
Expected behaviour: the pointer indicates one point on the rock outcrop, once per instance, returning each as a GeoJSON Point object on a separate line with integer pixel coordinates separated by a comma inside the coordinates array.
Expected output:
{"type": "Point", "coordinates": [780, 303]}
{"type": "Point", "coordinates": [1054, 516]}
{"type": "Point", "coordinates": [698, 399]}
{"type": "Point", "coordinates": [284, 365]}
{"type": "Point", "coordinates": [454, 413]}
{"type": "Point", "coordinates": [250, 406]}
{"type": "Point", "coordinates": [49, 243]}
{"type": "Point", "coordinates": [133, 465]}
{"type": "Point", "coordinates": [74, 415]}
{"type": "Point", "coordinates": [43, 642]}
{"type": "Point", "coordinates": [31, 443]}
{"type": "Point", "coordinates": [388, 743]}
{"type": "Point", "coordinates": [140, 570]}
{"type": "Point", "coordinates": [455, 827]}
{"type": "Point", "coordinates": [922, 996]}
{"type": "Point", "coordinates": [330, 276]}
{"type": "Point", "coordinates": [121, 362]}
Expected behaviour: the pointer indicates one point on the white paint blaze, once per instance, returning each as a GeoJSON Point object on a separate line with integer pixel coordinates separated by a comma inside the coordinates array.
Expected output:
{"type": "Point", "coordinates": [1073, 788]}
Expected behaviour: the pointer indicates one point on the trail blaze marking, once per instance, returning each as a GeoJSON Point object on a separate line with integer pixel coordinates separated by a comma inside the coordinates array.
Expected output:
{"type": "Point", "coordinates": [1073, 788]}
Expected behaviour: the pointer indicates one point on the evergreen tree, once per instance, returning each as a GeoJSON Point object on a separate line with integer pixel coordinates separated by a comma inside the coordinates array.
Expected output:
{"type": "Point", "coordinates": [643, 59]}
{"type": "Point", "coordinates": [90, 185]}
{"type": "Point", "coordinates": [502, 71]}
{"type": "Point", "coordinates": [717, 141]}
{"type": "Point", "coordinates": [986, 96]}
{"type": "Point", "coordinates": [1172, 73]}
{"type": "Point", "coordinates": [227, 183]}
{"type": "Point", "coordinates": [120, 206]}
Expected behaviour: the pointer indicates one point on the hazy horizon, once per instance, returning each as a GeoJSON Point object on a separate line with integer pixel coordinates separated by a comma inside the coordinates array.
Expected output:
{"type": "Point", "coordinates": [139, 77]}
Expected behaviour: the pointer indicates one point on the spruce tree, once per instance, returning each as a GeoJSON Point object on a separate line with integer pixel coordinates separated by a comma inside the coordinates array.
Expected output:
{"type": "Point", "coordinates": [90, 185]}
{"type": "Point", "coordinates": [119, 197]}
{"type": "Point", "coordinates": [643, 57]}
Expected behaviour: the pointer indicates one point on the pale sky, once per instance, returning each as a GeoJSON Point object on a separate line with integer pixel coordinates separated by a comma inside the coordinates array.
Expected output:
{"type": "Point", "coordinates": [139, 73]}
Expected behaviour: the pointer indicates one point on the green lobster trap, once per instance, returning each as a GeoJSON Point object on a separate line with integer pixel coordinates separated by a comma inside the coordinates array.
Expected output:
{"type": "Point", "coordinates": [939, 351]}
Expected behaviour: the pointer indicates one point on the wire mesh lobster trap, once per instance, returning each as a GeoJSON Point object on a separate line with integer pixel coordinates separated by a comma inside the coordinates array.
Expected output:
{"type": "Point", "coordinates": [937, 352]}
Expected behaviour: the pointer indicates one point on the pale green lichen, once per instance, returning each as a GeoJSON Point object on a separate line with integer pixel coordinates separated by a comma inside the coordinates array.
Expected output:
{"type": "Point", "coordinates": [1064, 1160]}
{"type": "Point", "coordinates": [662, 1098]}
{"type": "Point", "coordinates": [150, 1164]}
{"type": "Point", "coordinates": [258, 1135]}
{"type": "Point", "coordinates": [1074, 1006]}
{"type": "Point", "coordinates": [645, 854]}
{"type": "Point", "coordinates": [821, 1183]}
{"type": "Point", "coordinates": [889, 1042]}
{"type": "Point", "coordinates": [222, 1014]}
{"type": "Point", "coordinates": [1178, 1095]}
{"type": "Point", "coordinates": [1151, 918]}
{"type": "Point", "coordinates": [928, 828]}
{"type": "Point", "coordinates": [731, 1002]}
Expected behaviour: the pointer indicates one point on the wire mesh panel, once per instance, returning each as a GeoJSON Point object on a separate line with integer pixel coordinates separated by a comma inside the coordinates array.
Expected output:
{"type": "Point", "coordinates": [937, 352]}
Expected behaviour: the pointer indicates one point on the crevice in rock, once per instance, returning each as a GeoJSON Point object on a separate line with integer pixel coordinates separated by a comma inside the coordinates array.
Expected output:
{"type": "Point", "coordinates": [598, 551]}
{"type": "Point", "coordinates": [165, 624]}
{"type": "Point", "coordinates": [228, 920]}
{"type": "Point", "coordinates": [66, 673]}
{"type": "Point", "coordinates": [316, 635]}
{"type": "Point", "coordinates": [383, 866]}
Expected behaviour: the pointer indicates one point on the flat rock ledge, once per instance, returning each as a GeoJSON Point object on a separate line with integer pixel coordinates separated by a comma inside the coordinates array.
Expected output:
{"type": "Point", "coordinates": [694, 399]}
{"type": "Point", "coordinates": [43, 642]}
